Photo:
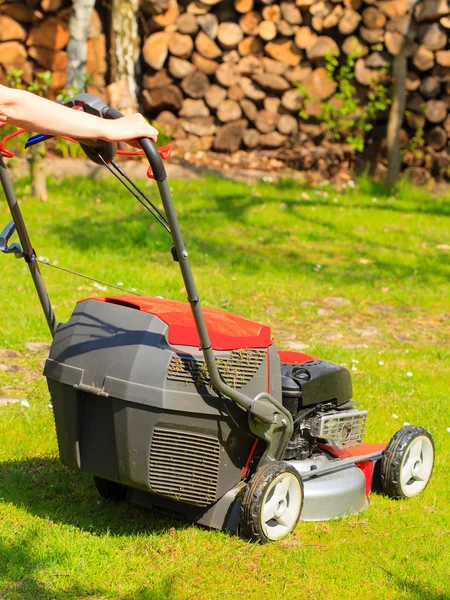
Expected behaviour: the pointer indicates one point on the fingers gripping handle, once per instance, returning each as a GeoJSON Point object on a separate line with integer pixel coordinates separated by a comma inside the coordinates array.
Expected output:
{"type": "Point", "coordinates": [147, 145]}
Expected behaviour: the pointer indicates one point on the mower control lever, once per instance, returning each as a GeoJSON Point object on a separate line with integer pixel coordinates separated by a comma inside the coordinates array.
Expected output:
{"type": "Point", "coordinates": [5, 236]}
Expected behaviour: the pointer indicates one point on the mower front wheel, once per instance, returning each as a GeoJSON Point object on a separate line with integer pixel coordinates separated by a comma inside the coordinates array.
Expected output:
{"type": "Point", "coordinates": [110, 490]}
{"type": "Point", "coordinates": [272, 503]}
{"type": "Point", "coordinates": [407, 463]}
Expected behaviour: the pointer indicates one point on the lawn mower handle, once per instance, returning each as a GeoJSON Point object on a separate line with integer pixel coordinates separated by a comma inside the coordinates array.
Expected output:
{"type": "Point", "coordinates": [147, 145]}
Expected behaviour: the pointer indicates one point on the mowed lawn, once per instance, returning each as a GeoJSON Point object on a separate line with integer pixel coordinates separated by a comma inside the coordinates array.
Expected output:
{"type": "Point", "coordinates": [358, 277]}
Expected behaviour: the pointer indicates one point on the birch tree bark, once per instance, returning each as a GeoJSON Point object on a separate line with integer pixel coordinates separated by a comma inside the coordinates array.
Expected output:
{"type": "Point", "coordinates": [77, 45]}
{"type": "Point", "coordinates": [123, 55]}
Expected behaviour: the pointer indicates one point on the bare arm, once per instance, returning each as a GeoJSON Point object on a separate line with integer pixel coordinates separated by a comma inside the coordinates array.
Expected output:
{"type": "Point", "coordinates": [31, 112]}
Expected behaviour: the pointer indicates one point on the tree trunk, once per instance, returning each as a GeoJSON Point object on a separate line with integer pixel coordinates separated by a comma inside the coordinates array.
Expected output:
{"type": "Point", "coordinates": [396, 119]}
{"type": "Point", "coordinates": [124, 50]}
{"type": "Point", "coordinates": [36, 162]}
{"type": "Point", "coordinates": [77, 46]}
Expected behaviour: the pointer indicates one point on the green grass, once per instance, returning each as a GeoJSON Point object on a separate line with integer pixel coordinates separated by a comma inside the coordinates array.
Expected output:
{"type": "Point", "coordinates": [281, 255]}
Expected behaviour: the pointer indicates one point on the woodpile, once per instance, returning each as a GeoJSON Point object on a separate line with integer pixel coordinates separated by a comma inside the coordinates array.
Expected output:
{"type": "Point", "coordinates": [234, 74]}
{"type": "Point", "coordinates": [34, 36]}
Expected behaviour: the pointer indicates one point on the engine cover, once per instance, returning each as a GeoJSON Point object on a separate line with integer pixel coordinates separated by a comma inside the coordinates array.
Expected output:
{"type": "Point", "coordinates": [316, 381]}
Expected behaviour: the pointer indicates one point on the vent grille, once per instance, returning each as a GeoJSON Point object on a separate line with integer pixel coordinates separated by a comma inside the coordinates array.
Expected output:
{"type": "Point", "coordinates": [344, 429]}
{"type": "Point", "coordinates": [236, 370]}
{"type": "Point", "coordinates": [184, 466]}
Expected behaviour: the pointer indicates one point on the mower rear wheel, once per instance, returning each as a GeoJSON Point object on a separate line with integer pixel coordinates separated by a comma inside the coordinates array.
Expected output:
{"type": "Point", "coordinates": [272, 503]}
{"type": "Point", "coordinates": [407, 463]}
{"type": "Point", "coordinates": [110, 490]}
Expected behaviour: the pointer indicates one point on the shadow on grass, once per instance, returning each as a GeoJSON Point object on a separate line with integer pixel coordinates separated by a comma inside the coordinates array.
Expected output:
{"type": "Point", "coordinates": [49, 490]}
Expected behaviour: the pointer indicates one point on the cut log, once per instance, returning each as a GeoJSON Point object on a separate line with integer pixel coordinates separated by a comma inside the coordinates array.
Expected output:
{"type": "Point", "coordinates": [272, 104]}
{"type": "Point", "coordinates": [322, 47]}
{"type": "Point", "coordinates": [205, 65]}
{"type": "Point", "coordinates": [11, 30]}
{"type": "Point", "coordinates": [169, 16]}
{"type": "Point", "coordinates": [271, 82]}
{"type": "Point", "coordinates": [271, 13]}
{"type": "Point", "coordinates": [404, 25]}
{"type": "Point", "coordinates": [251, 138]}
{"type": "Point", "coordinates": [51, 5]}
{"type": "Point", "coordinates": [318, 85]}
{"type": "Point", "coordinates": [197, 8]}
{"type": "Point", "coordinates": [352, 46]}
{"type": "Point", "coordinates": [430, 87]}
{"type": "Point", "coordinates": [227, 74]}
{"type": "Point", "coordinates": [445, 22]}
{"type": "Point", "coordinates": [187, 24]}
{"type": "Point", "coordinates": [443, 58]}
{"type": "Point", "coordinates": [194, 108]}
{"type": "Point", "coordinates": [167, 121]}
{"type": "Point", "coordinates": [305, 37]}
{"type": "Point", "coordinates": [393, 9]}
{"type": "Point", "coordinates": [399, 45]}
{"type": "Point", "coordinates": [235, 92]}
{"type": "Point", "coordinates": [363, 75]}
{"type": "Point", "coordinates": [200, 126]}
{"type": "Point", "coordinates": [373, 18]}
{"type": "Point", "coordinates": [249, 23]}
{"type": "Point", "coordinates": [180, 45]}
{"type": "Point", "coordinates": [291, 13]}
{"type": "Point", "coordinates": [334, 17]}
{"type": "Point", "coordinates": [215, 95]}
{"type": "Point", "coordinates": [412, 81]}
{"type": "Point", "coordinates": [304, 3]}
{"type": "Point", "coordinates": [211, 2]}
{"type": "Point", "coordinates": [209, 24]}
{"type": "Point", "coordinates": [267, 30]}
{"type": "Point", "coordinates": [292, 100]}
{"type": "Point", "coordinates": [317, 23]}
{"type": "Point", "coordinates": [229, 137]}
{"type": "Point", "coordinates": [156, 49]}
{"type": "Point", "coordinates": [231, 57]}
{"type": "Point", "coordinates": [273, 66]}
{"type": "Point", "coordinates": [158, 80]}
{"type": "Point", "coordinates": [180, 68]}
{"type": "Point", "coordinates": [206, 46]}
{"type": "Point", "coordinates": [432, 10]}
{"type": "Point", "coordinates": [415, 102]}
{"type": "Point", "coordinates": [414, 120]}
{"type": "Point", "coordinates": [12, 55]}
{"type": "Point", "coordinates": [250, 45]}
{"type": "Point", "coordinates": [228, 110]}
{"type": "Point", "coordinates": [251, 90]}
{"type": "Point", "coordinates": [19, 12]}
{"type": "Point", "coordinates": [53, 61]}
{"type": "Point", "coordinates": [195, 84]}
{"type": "Point", "coordinates": [168, 97]}
{"type": "Point", "coordinates": [266, 121]}
{"type": "Point", "coordinates": [349, 21]}
{"type": "Point", "coordinates": [285, 29]}
{"type": "Point", "coordinates": [313, 108]}
{"type": "Point", "coordinates": [243, 6]}
{"type": "Point", "coordinates": [53, 33]}
{"type": "Point", "coordinates": [95, 28]}
{"type": "Point", "coordinates": [321, 8]}
{"type": "Point", "coordinates": [287, 124]}
{"type": "Point", "coordinates": [436, 138]}
{"type": "Point", "coordinates": [355, 4]}
{"type": "Point", "coordinates": [433, 37]}
{"type": "Point", "coordinates": [423, 59]}
{"type": "Point", "coordinates": [272, 140]}
{"type": "Point", "coordinates": [248, 108]}
{"type": "Point", "coordinates": [371, 36]}
{"type": "Point", "coordinates": [229, 34]}
{"type": "Point", "coordinates": [284, 51]}
{"type": "Point", "coordinates": [447, 125]}
{"type": "Point", "coordinates": [249, 65]}
{"type": "Point", "coordinates": [299, 73]}
{"type": "Point", "coordinates": [435, 111]}
{"type": "Point", "coordinates": [378, 60]}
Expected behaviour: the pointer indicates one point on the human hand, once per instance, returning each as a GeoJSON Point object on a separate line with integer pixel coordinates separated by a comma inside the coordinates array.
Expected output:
{"type": "Point", "coordinates": [128, 129]}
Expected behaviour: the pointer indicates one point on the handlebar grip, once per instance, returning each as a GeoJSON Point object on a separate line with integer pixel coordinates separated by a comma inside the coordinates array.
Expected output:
{"type": "Point", "coordinates": [147, 145]}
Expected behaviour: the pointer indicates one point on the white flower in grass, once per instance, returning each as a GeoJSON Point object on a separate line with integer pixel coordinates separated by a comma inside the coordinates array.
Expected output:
{"type": "Point", "coordinates": [394, 416]}
{"type": "Point", "coordinates": [409, 374]}
{"type": "Point", "coordinates": [381, 363]}
{"type": "Point", "coordinates": [351, 184]}
{"type": "Point", "coordinates": [25, 403]}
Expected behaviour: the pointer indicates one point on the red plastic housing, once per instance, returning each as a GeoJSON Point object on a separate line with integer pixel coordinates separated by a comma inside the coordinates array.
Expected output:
{"type": "Point", "coordinates": [226, 331]}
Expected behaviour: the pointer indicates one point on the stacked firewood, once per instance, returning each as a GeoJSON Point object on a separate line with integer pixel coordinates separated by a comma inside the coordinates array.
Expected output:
{"type": "Point", "coordinates": [34, 36]}
{"type": "Point", "coordinates": [222, 74]}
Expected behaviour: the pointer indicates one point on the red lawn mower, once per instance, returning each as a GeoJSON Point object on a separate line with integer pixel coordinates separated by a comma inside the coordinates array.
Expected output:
{"type": "Point", "coordinates": [195, 411]}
